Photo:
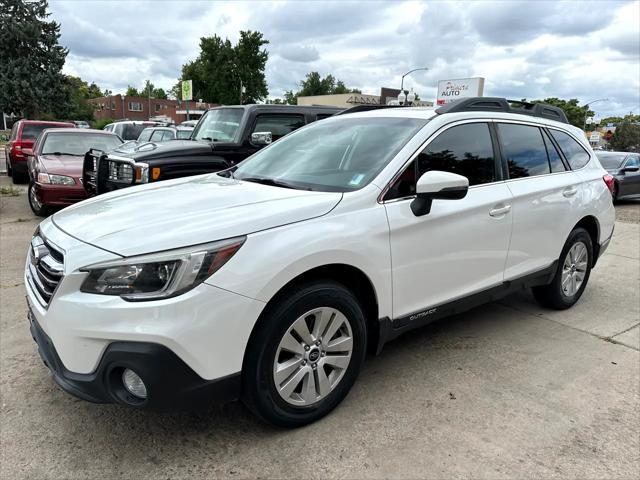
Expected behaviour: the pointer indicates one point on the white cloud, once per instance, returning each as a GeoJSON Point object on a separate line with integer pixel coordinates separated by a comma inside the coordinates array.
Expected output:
{"type": "Point", "coordinates": [541, 49]}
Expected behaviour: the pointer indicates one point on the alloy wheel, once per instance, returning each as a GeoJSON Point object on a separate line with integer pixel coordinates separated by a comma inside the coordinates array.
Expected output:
{"type": "Point", "coordinates": [574, 269]}
{"type": "Point", "coordinates": [34, 199]}
{"type": "Point", "coordinates": [313, 356]}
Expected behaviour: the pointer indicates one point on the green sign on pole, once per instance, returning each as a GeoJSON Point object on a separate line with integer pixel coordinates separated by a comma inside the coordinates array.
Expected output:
{"type": "Point", "coordinates": [187, 90]}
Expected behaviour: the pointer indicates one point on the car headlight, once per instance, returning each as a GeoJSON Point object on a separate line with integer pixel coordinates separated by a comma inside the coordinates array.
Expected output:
{"type": "Point", "coordinates": [159, 275]}
{"type": "Point", "coordinates": [55, 179]}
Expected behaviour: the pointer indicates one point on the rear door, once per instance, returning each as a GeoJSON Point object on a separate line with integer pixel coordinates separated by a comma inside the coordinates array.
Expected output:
{"type": "Point", "coordinates": [545, 197]}
{"type": "Point", "coordinates": [631, 183]}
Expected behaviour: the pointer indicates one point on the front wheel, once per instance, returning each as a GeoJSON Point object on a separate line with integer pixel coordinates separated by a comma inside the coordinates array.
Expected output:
{"type": "Point", "coordinates": [572, 274]}
{"type": "Point", "coordinates": [305, 355]}
{"type": "Point", "coordinates": [35, 202]}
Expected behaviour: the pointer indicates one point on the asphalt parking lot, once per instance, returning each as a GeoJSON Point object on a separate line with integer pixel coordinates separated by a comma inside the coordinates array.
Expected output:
{"type": "Point", "coordinates": [508, 390]}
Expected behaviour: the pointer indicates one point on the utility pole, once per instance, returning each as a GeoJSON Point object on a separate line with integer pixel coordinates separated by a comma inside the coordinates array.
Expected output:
{"type": "Point", "coordinates": [149, 101]}
{"type": "Point", "coordinates": [240, 91]}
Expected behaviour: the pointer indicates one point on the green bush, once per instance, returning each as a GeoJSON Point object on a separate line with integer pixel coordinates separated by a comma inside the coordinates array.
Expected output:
{"type": "Point", "coordinates": [100, 124]}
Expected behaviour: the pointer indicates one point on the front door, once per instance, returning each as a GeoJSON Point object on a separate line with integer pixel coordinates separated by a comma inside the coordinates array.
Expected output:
{"type": "Point", "coordinates": [461, 246]}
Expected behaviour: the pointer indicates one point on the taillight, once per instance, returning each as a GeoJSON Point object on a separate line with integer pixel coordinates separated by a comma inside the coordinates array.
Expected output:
{"type": "Point", "coordinates": [610, 182]}
{"type": "Point", "coordinates": [17, 149]}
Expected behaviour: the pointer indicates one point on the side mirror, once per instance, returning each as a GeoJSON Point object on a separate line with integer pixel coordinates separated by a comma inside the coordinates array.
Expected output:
{"type": "Point", "coordinates": [631, 168]}
{"type": "Point", "coordinates": [437, 185]}
{"type": "Point", "coordinates": [261, 138]}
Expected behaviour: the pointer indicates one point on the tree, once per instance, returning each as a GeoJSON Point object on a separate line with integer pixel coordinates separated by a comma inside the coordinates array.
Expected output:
{"type": "Point", "coordinates": [626, 138]}
{"type": "Point", "coordinates": [159, 93]}
{"type": "Point", "coordinates": [132, 91]}
{"type": "Point", "coordinates": [31, 80]}
{"type": "Point", "coordinates": [222, 67]}
{"type": "Point", "coordinates": [314, 84]}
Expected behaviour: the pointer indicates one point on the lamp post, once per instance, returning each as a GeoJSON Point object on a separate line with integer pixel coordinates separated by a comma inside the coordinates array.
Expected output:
{"type": "Point", "coordinates": [587, 111]}
{"type": "Point", "coordinates": [402, 97]}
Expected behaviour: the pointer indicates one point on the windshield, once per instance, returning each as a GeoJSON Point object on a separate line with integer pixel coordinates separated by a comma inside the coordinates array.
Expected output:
{"type": "Point", "coordinates": [611, 161]}
{"type": "Point", "coordinates": [219, 125]}
{"type": "Point", "coordinates": [77, 144]}
{"type": "Point", "coordinates": [340, 154]}
{"type": "Point", "coordinates": [145, 135]}
{"type": "Point", "coordinates": [184, 134]}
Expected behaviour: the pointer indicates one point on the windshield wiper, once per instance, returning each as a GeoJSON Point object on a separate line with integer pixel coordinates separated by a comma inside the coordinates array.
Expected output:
{"type": "Point", "coordinates": [272, 182]}
{"type": "Point", "coordinates": [63, 153]}
{"type": "Point", "coordinates": [209, 139]}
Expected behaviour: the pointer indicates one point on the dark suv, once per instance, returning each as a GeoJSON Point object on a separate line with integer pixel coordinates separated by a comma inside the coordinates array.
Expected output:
{"type": "Point", "coordinates": [223, 137]}
{"type": "Point", "coordinates": [23, 135]}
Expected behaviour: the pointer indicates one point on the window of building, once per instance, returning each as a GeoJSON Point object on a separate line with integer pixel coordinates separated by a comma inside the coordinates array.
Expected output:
{"type": "Point", "coordinates": [575, 154]}
{"type": "Point", "coordinates": [158, 106]}
{"type": "Point", "coordinates": [554, 157]}
{"type": "Point", "coordinates": [135, 106]}
{"type": "Point", "coordinates": [465, 149]}
{"type": "Point", "coordinates": [278, 125]}
{"type": "Point", "coordinates": [113, 105]}
{"type": "Point", "coordinates": [524, 149]}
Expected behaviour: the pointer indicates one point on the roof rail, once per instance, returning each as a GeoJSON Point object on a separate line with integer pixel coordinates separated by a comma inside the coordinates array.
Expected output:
{"type": "Point", "coordinates": [498, 104]}
{"type": "Point", "coordinates": [366, 108]}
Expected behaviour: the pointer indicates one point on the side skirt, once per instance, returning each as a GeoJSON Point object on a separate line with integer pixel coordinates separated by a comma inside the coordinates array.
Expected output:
{"type": "Point", "coordinates": [392, 329]}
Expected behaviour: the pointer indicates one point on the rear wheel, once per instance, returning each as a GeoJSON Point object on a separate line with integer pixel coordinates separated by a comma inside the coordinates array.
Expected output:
{"type": "Point", "coordinates": [614, 193]}
{"type": "Point", "coordinates": [572, 274]}
{"type": "Point", "coordinates": [305, 355]}
{"type": "Point", "coordinates": [8, 165]}
{"type": "Point", "coordinates": [35, 202]}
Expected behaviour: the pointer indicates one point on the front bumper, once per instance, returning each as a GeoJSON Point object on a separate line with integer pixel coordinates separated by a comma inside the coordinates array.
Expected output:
{"type": "Point", "coordinates": [171, 384]}
{"type": "Point", "coordinates": [60, 196]}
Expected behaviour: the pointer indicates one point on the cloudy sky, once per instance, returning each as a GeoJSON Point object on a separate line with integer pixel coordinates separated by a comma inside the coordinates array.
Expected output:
{"type": "Point", "coordinates": [535, 49]}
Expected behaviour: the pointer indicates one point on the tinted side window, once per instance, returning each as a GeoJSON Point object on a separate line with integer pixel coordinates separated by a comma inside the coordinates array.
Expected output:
{"type": "Point", "coordinates": [278, 125]}
{"type": "Point", "coordinates": [465, 149]}
{"type": "Point", "coordinates": [524, 150]}
{"type": "Point", "coordinates": [554, 157]}
{"type": "Point", "coordinates": [320, 116]}
{"type": "Point", "coordinates": [634, 161]}
{"type": "Point", "coordinates": [573, 151]}
{"type": "Point", "coordinates": [14, 131]}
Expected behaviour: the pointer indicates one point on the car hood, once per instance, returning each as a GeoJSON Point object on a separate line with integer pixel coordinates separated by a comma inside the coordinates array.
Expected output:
{"type": "Point", "coordinates": [62, 164]}
{"type": "Point", "coordinates": [187, 211]}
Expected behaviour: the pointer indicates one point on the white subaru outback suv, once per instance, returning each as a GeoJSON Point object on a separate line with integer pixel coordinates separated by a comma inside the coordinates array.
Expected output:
{"type": "Point", "coordinates": [270, 281]}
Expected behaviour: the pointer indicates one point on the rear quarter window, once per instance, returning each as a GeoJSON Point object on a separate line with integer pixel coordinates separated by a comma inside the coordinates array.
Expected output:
{"type": "Point", "coordinates": [575, 154]}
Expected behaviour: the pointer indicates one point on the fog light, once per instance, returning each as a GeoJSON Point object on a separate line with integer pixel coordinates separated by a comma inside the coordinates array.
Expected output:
{"type": "Point", "coordinates": [134, 384]}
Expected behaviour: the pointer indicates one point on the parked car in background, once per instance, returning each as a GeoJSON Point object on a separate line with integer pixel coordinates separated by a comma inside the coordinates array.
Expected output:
{"type": "Point", "coordinates": [189, 123]}
{"type": "Point", "coordinates": [23, 135]}
{"type": "Point", "coordinates": [128, 129]}
{"type": "Point", "coordinates": [224, 137]}
{"type": "Point", "coordinates": [270, 281]}
{"type": "Point", "coordinates": [55, 166]}
{"type": "Point", "coordinates": [625, 168]}
{"type": "Point", "coordinates": [81, 124]}
{"type": "Point", "coordinates": [162, 134]}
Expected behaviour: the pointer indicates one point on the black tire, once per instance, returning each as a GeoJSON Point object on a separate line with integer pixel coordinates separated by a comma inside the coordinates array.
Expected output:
{"type": "Point", "coordinates": [616, 191]}
{"type": "Point", "coordinates": [36, 207]}
{"type": "Point", "coordinates": [18, 178]}
{"type": "Point", "coordinates": [259, 390]}
{"type": "Point", "coordinates": [8, 164]}
{"type": "Point", "coordinates": [553, 295]}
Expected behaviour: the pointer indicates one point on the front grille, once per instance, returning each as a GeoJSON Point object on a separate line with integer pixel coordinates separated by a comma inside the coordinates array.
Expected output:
{"type": "Point", "coordinates": [45, 268]}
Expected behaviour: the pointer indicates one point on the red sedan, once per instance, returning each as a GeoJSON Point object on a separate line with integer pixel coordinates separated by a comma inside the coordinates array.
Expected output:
{"type": "Point", "coordinates": [23, 136]}
{"type": "Point", "coordinates": [55, 166]}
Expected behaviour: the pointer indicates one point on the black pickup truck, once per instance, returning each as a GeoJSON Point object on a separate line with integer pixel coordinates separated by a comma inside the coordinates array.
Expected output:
{"type": "Point", "coordinates": [223, 137]}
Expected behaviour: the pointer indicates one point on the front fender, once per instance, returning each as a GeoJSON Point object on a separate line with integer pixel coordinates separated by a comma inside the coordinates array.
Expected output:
{"type": "Point", "coordinates": [272, 258]}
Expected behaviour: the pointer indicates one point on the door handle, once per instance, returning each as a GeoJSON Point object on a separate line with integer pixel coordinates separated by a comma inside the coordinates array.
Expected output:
{"type": "Point", "coordinates": [497, 212]}
{"type": "Point", "coordinates": [569, 192]}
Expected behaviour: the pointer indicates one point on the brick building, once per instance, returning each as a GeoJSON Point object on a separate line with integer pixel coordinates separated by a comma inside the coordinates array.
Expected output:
{"type": "Point", "coordinates": [118, 107]}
